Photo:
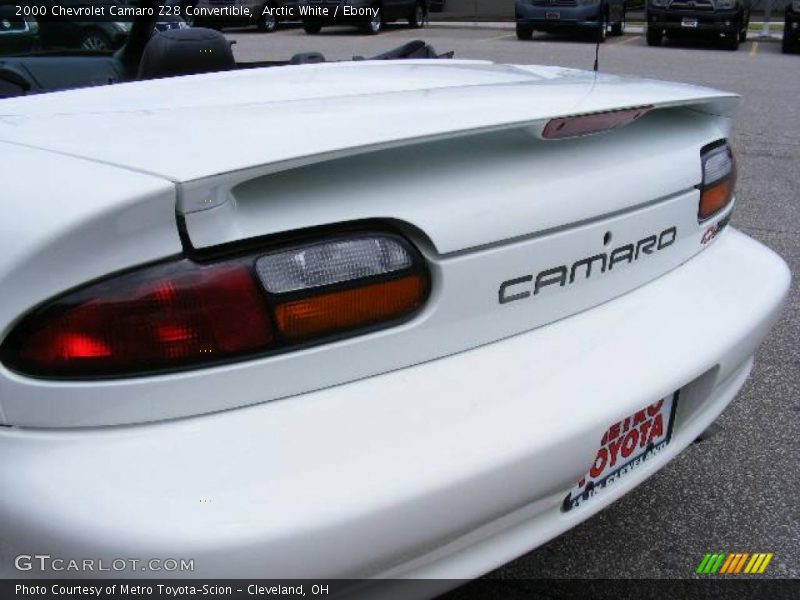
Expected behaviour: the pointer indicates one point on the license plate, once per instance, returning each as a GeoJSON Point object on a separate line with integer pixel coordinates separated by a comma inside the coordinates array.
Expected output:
{"type": "Point", "coordinates": [552, 15]}
{"type": "Point", "coordinates": [689, 23]}
{"type": "Point", "coordinates": [626, 446]}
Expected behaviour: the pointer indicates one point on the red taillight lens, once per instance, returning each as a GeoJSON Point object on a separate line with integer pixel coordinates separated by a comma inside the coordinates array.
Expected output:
{"type": "Point", "coordinates": [719, 179]}
{"type": "Point", "coordinates": [162, 317]}
{"type": "Point", "coordinates": [182, 313]}
{"type": "Point", "coordinates": [565, 127]}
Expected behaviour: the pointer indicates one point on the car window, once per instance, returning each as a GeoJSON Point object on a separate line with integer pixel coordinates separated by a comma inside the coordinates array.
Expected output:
{"type": "Point", "coordinates": [47, 26]}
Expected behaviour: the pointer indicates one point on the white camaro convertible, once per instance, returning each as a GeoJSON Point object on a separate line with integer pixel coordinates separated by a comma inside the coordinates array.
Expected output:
{"type": "Point", "coordinates": [359, 319]}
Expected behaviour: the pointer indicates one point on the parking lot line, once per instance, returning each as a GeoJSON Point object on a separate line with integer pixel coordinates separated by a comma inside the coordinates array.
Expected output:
{"type": "Point", "coordinates": [497, 37]}
{"type": "Point", "coordinates": [753, 48]}
{"type": "Point", "coordinates": [628, 40]}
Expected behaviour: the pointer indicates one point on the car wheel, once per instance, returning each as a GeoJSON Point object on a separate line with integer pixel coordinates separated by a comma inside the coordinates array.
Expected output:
{"type": "Point", "coordinates": [524, 32]}
{"type": "Point", "coordinates": [375, 24]}
{"type": "Point", "coordinates": [619, 27]}
{"type": "Point", "coordinates": [417, 19]}
{"type": "Point", "coordinates": [731, 40]}
{"type": "Point", "coordinates": [602, 29]}
{"type": "Point", "coordinates": [267, 22]}
{"type": "Point", "coordinates": [96, 41]}
{"type": "Point", "coordinates": [743, 30]}
{"type": "Point", "coordinates": [788, 45]}
{"type": "Point", "coordinates": [312, 28]}
{"type": "Point", "coordinates": [654, 36]}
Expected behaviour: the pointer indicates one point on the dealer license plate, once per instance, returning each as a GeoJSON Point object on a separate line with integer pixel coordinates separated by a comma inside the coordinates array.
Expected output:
{"type": "Point", "coordinates": [626, 446]}
{"type": "Point", "coordinates": [552, 15]}
{"type": "Point", "coordinates": [689, 22]}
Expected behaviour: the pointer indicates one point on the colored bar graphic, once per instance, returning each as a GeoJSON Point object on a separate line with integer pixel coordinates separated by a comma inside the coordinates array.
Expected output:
{"type": "Point", "coordinates": [718, 563]}
{"type": "Point", "coordinates": [764, 564]}
{"type": "Point", "coordinates": [727, 565]}
{"type": "Point", "coordinates": [734, 563]}
{"type": "Point", "coordinates": [740, 564]}
{"type": "Point", "coordinates": [703, 563]}
{"type": "Point", "coordinates": [754, 563]}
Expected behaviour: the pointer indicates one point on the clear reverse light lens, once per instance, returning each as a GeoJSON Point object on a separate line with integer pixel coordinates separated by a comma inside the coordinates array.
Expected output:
{"type": "Point", "coordinates": [330, 263]}
{"type": "Point", "coordinates": [717, 165]}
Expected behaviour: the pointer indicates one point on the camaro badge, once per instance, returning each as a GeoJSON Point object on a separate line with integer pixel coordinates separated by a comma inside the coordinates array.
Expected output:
{"type": "Point", "coordinates": [562, 275]}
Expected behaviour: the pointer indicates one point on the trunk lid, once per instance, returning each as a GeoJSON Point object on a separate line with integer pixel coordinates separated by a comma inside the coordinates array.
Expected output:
{"type": "Point", "coordinates": [255, 152]}
{"type": "Point", "coordinates": [517, 231]}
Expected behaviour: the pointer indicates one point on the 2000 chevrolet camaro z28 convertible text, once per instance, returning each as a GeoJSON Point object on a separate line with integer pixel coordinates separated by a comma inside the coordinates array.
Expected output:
{"type": "Point", "coordinates": [359, 319]}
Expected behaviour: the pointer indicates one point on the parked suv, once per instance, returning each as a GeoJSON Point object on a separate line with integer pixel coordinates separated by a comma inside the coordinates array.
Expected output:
{"type": "Point", "coordinates": [791, 28]}
{"type": "Point", "coordinates": [570, 15]}
{"type": "Point", "coordinates": [728, 18]}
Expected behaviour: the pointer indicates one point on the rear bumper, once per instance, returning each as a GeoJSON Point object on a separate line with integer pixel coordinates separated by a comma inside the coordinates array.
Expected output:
{"type": "Point", "coordinates": [569, 17]}
{"type": "Point", "coordinates": [446, 469]}
{"type": "Point", "coordinates": [718, 21]}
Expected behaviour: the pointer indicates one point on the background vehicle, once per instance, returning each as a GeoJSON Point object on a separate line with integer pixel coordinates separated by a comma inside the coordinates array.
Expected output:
{"type": "Point", "coordinates": [66, 32]}
{"type": "Point", "coordinates": [728, 18]}
{"type": "Point", "coordinates": [17, 34]}
{"type": "Point", "coordinates": [266, 21]}
{"type": "Point", "coordinates": [791, 28]}
{"type": "Point", "coordinates": [58, 31]}
{"type": "Point", "coordinates": [600, 16]}
{"type": "Point", "coordinates": [385, 11]}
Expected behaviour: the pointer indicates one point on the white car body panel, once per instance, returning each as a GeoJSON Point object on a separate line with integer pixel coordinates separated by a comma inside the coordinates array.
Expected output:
{"type": "Point", "coordinates": [449, 206]}
{"type": "Point", "coordinates": [429, 447]}
{"type": "Point", "coordinates": [192, 127]}
{"type": "Point", "coordinates": [362, 479]}
{"type": "Point", "coordinates": [463, 313]}
{"type": "Point", "coordinates": [60, 215]}
{"type": "Point", "coordinates": [453, 195]}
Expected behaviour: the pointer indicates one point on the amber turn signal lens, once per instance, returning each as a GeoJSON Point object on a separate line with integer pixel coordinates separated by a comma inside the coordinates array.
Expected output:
{"type": "Point", "coordinates": [715, 198]}
{"type": "Point", "coordinates": [332, 312]}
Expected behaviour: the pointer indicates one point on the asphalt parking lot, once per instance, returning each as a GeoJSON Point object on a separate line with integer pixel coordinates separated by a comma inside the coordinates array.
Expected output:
{"type": "Point", "coordinates": [739, 490]}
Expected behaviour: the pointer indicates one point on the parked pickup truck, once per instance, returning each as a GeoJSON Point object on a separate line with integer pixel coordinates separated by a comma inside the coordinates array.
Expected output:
{"type": "Point", "coordinates": [726, 18]}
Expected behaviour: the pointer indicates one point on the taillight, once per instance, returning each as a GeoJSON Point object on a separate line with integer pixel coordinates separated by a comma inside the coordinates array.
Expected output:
{"type": "Point", "coordinates": [184, 313]}
{"type": "Point", "coordinates": [565, 127]}
{"type": "Point", "coordinates": [314, 285]}
{"type": "Point", "coordinates": [719, 179]}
